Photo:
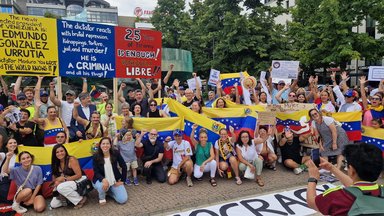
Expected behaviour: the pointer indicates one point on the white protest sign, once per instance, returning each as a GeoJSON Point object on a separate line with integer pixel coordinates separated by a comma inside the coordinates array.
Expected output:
{"type": "Point", "coordinates": [214, 76]}
{"type": "Point", "coordinates": [13, 116]}
{"type": "Point", "coordinates": [192, 83]}
{"type": "Point", "coordinates": [285, 69]}
{"type": "Point", "coordinates": [286, 81]}
{"type": "Point", "coordinates": [376, 73]}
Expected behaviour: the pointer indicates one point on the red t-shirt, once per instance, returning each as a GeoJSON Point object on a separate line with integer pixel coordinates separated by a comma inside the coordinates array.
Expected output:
{"type": "Point", "coordinates": [336, 201]}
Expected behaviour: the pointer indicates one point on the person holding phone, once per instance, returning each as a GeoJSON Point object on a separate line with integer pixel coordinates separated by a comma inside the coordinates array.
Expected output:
{"type": "Point", "coordinates": [290, 151]}
{"type": "Point", "coordinates": [108, 119]}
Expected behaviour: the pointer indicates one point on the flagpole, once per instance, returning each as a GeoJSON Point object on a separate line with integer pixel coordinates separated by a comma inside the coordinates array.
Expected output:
{"type": "Point", "coordinates": [115, 100]}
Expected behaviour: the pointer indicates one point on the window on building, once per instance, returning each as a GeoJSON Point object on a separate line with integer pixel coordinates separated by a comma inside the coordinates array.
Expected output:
{"type": "Point", "coordinates": [287, 4]}
{"type": "Point", "coordinates": [74, 9]}
{"type": "Point", "coordinates": [371, 27]}
{"type": "Point", "coordinates": [4, 9]}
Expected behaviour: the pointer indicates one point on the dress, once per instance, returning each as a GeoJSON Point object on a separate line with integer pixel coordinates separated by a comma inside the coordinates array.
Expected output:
{"type": "Point", "coordinates": [326, 136]}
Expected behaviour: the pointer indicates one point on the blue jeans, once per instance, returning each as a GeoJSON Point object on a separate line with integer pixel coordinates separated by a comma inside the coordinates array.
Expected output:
{"type": "Point", "coordinates": [119, 194]}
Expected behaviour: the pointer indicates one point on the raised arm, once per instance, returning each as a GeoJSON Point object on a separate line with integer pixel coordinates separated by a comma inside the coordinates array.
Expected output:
{"type": "Point", "coordinates": [17, 85]}
{"type": "Point", "coordinates": [169, 73]}
{"type": "Point", "coordinates": [192, 136]}
{"type": "Point", "coordinates": [75, 115]}
{"type": "Point", "coordinates": [120, 94]}
{"type": "Point", "coordinates": [36, 117]}
{"type": "Point", "coordinates": [52, 95]}
{"type": "Point", "coordinates": [37, 89]}
{"type": "Point", "coordinates": [143, 88]}
{"type": "Point", "coordinates": [198, 90]}
{"type": "Point", "coordinates": [150, 91]}
{"type": "Point", "coordinates": [237, 93]}
{"type": "Point", "coordinates": [4, 84]}
{"type": "Point", "coordinates": [139, 137]}
{"type": "Point", "coordinates": [362, 92]}
{"type": "Point", "coordinates": [219, 89]}
{"type": "Point", "coordinates": [85, 85]}
{"type": "Point", "coordinates": [278, 95]}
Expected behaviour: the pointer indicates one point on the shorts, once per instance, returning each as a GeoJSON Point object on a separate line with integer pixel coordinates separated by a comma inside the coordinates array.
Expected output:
{"type": "Point", "coordinates": [174, 171]}
{"type": "Point", "coordinates": [132, 165]}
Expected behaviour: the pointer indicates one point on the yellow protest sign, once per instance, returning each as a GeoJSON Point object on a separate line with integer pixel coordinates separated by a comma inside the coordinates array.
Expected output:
{"type": "Point", "coordinates": [28, 46]}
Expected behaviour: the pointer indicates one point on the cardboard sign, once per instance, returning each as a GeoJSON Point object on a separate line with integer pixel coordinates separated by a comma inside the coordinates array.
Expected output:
{"type": "Point", "coordinates": [376, 73]}
{"type": "Point", "coordinates": [289, 107]}
{"type": "Point", "coordinates": [285, 69]}
{"type": "Point", "coordinates": [138, 53]}
{"type": "Point", "coordinates": [192, 83]}
{"type": "Point", "coordinates": [86, 49]}
{"type": "Point", "coordinates": [214, 76]}
{"type": "Point", "coordinates": [267, 118]}
{"type": "Point", "coordinates": [28, 46]}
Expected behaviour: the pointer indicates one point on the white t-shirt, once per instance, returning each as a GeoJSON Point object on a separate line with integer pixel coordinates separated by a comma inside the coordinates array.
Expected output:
{"type": "Point", "coordinates": [66, 112]}
{"type": "Point", "coordinates": [12, 162]}
{"type": "Point", "coordinates": [327, 120]}
{"type": "Point", "coordinates": [179, 151]}
{"type": "Point", "coordinates": [109, 171]}
{"type": "Point", "coordinates": [249, 153]}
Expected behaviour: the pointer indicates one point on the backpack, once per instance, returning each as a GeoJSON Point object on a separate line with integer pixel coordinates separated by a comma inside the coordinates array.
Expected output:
{"type": "Point", "coordinates": [366, 204]}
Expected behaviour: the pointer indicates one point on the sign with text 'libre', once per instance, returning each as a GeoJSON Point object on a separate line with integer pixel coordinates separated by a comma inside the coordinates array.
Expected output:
{"type": "Point", "coordinates": [138, 53]}
{"type": "Point", "coordinates": [28, 46]}
{"type": "Point", "coordinates": [86, 49]}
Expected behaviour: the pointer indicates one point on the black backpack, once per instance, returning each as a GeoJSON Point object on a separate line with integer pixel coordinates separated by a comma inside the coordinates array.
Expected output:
{"type": "Point", "coordinates": [365, 204]}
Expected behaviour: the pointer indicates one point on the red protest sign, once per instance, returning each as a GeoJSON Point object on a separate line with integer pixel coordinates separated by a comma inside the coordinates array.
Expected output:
{"type": "Point", "coordinates": [138, 53]}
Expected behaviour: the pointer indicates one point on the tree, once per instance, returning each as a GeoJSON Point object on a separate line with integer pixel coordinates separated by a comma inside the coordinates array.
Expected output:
{"type": "Point", "coordinates": [321, 32]}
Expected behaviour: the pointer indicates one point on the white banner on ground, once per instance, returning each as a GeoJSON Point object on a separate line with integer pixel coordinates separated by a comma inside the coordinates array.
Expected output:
{"type": "Point", "coordinates": [376, 73]}
{"type": "Point", "coordinates": [192, 83]}
{"type": "Point", "coordinates": [214, 76]}
{"type": "Point", "coordinates": [285, 69]}
{"type": "Point", "coordinates": [291, 202]}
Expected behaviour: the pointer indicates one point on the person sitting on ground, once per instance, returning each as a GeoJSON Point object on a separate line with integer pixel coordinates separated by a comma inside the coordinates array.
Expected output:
{"type": "Point", "coordinates": [204, 155]}
{"type": "Point", "coordinates": [266, 136]}
{"type": "Point", "coordinates": [66, 171]}
{"type": "Point", "coordinates": [290, 151]}
{"type": "Point", "coordinates": [126, 146]}
{"type": "Point", "coordinates": [51, 125]}
{"type": "Point", "coordinates": [182, 161]}
{"type": "Point", "coordinates": [29, 179]}
{"type": "Point", "coordinates": [107, 177]}
{"type": "Point", "coordinates": [93, 128]}
{"type": "Point", "coordinates": [365, 163]}
{"type": "Point", "coordinates": [153, 156]}
{"type": "Point", "coordinates": [247, 153]}
{"type": "Point", "coordinates": [226, 154]}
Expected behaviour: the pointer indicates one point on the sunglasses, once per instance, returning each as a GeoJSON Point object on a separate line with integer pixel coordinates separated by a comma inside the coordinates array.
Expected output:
{"type": "Point", "coordinates": [152, 134]}
{"type": "Point", "coordinates": [292, 95]}
{"type": "Point", "coordinates": [376, 98]}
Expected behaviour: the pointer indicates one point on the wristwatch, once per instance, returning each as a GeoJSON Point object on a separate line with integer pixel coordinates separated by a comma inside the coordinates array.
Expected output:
{"type": "Point", "coordinates": [311, 179]}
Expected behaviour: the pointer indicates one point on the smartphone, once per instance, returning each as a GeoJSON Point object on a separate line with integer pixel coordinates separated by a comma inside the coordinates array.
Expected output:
{"type": "Point", "coordinates": [315, 156]}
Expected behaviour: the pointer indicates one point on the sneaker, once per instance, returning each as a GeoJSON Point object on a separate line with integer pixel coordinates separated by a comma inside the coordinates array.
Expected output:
{"type": "Point", "coordinates": [128, 182]}
{"type": "Point", "coordinates": [149, 181]}
{"type": "Point", "coordinates": [189, 182]}
{"type": "Point", "coordinates": [135, 181]}
{"type": "Point", "coordinates": [304, 167]}
{"type": "Point", "coordinates": [297, 170]}
{"type": "Point", "coordinates": [19, 209]}
{"type": "Point", "coordinates": [103, 202]}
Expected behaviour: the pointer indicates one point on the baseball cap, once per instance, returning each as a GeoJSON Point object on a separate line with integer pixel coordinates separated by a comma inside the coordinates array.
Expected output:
{"type": "Point", "coordinates": [44, 93]}
{"type": "Point", "coordinates": [177, 132]}
{"type": "Point", "coordinates": [350, 93]}
{"type": "Point", "coordinates": [21, 96]}
{"type": "Point", "coordinates": [281, 82]}
{"type": "Point", "coordinates": [181, 88]}
{"type": "Point", "coordinates": [71, 92]}
{"type": "Point", "coordinates": [173, 96]}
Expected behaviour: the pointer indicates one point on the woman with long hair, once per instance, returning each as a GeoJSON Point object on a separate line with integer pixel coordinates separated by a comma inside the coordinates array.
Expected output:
{"type": "Point", "coordinates": [204, 155]}
{"type": "Point", "coordinates": [10, 149]}
{"type": "Point", "coordinates": [28, 179]}
{"type": "Point", "coordinates": [108, 119]}
{"type": "Point", "coordinates": [248, 156]}
{"type": "Point", "coordinates": [226, 154]}
{"type": "Point", "coordinates": [153, 111]}
{"type": "Point", "coordinates": [65, 171]}
{"type": "Point", "coordinates": [107, 176]}
{"type": "Point", "coordinates": [375, 110]}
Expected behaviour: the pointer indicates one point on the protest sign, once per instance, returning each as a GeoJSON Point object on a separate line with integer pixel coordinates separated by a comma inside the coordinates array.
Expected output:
{"type": "Point", "coordinates": [192, 83]}
{"type": "Point", "coordinates": [214, 76]}
{"type": "Point", "coordinates": [376, 73]}
{"type": "Point", "coordinates": [28, 46]}
{"type": "Point", "coordinates": [267, 118]}
{"type": "Point", "coordinates": [138, 53]}
{"type": "Point", "coordinates": [289, 107]}
{"type": "Point", "coordinates": [86, 50]}
{"type": "Point", "coordinates": [286, 81]}
{"type": "Point", "coordinates": [285, 69]}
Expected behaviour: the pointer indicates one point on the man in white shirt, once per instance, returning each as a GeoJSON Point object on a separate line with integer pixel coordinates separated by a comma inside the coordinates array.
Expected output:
{"type": "Point", "coordinates": [182, 162]}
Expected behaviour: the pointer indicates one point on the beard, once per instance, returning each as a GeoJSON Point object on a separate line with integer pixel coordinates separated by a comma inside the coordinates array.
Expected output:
{"type": "Point", "coordinates": [152, 140]}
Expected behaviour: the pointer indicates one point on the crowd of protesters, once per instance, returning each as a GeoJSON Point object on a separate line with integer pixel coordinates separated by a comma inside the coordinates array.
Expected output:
{"type": "Point", "coordinates": [38, 117]}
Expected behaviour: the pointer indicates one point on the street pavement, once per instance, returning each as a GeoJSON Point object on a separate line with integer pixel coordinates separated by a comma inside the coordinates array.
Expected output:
{"type": "Point", "coordinates": [163, 199]}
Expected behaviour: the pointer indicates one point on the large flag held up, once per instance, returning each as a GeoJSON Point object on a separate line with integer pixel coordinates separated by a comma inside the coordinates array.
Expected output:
{"type": "Point", "coordinates": [228, 80]}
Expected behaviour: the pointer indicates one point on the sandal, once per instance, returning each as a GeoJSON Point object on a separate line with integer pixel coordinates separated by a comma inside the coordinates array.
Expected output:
{"type": "Point", "coordinates": [81, 203]}
{"type": "Point", "coordinates": [238, 181]}
{"type": "Point", "coordinates": [260, 182]}
{"type": "Point", "coordinates": [213, 182]}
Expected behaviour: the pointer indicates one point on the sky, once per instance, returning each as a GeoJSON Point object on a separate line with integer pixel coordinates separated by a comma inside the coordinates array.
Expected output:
{"type": "Point", "coordinates": [126, 7]}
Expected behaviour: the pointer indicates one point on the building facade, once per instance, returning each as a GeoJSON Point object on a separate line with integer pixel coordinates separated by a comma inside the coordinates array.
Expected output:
{"type": "Point", "coordinates": [11, 6]}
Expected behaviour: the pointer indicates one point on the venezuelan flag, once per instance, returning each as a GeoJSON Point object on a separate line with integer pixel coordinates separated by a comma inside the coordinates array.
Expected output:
{"type": "Point", "coordinates": [373, 136]}
{"type": "Point", "coordinates": [81, 150]}
{"type": "Point", "coordinates": [229, 79]}
{"type": "Point", "coordinates": [351, 123]}
{"type": "Point", "coordinates": [297, 121]}
{"type": "Point", "coordinates": [239, 118]}
{"type": "Point", "coordinates": [213, 127]}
